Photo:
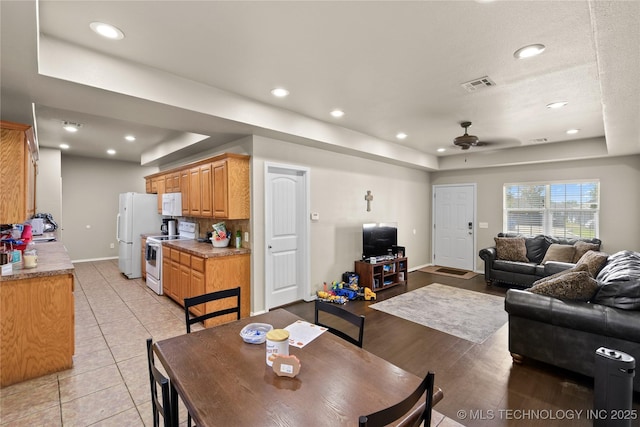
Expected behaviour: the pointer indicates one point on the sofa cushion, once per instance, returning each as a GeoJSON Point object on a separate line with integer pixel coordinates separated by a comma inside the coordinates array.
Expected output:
{"type": "Point", "coordinates": [582, 248]}
{"type": "Point", "coordinates": [515, 267]}
{"type": "Point", "coordinates": [574, 285]}
{"type": "Point", "coordinates": [511, 249]}
{"type": "Point", "coordinates": [536, 248]}
{"type": "Point", "coordinates": [558, 252]}
{"type": "Point", "coordinates": [620, 281]}
{"type": "Point", "coordinates": [595, 261]}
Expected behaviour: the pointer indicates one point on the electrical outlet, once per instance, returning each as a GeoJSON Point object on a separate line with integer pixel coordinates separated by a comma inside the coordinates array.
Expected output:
{"type": "Point", "coordinates": [246, 236]}
{"type": "Point", "coordinates": [112, 245]}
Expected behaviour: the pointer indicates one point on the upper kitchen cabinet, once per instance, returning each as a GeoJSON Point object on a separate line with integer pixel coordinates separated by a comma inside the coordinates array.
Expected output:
{"type": "Point", "coordinates": [18, 171]}
{"type": "Point", "coordinates": [217, 187]}
{"type": "Point", "coordinates": [231, 198]}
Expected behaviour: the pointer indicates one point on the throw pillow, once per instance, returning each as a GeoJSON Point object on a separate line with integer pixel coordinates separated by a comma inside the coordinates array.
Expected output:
{"type": "Point", "coordinates": [594, 261]}
{"type": "Point", "coordinates": [511, 249]}
{"type": "Point", "coordinates": [582, 248]}
{"type": "Point", "coordinates": [576, 285]}
{"type": "Point", "coordinates": [578, 267]}
{"type": "Point", "coordinates": [558, 252]}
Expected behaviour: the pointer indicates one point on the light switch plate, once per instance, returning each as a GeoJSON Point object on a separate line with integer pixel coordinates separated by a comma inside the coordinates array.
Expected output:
{"type": "Point", "coordinates": [483, 224]}
{"type": "Point", "coordinates": [315, 216]}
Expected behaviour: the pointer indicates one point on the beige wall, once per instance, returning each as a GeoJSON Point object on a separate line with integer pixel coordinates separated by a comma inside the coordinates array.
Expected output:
{"type": "Point", "coordinates": [619, 195]}
{"type": "Point", "coordinates": [338, 184]}
{"type": "Point", "coordinates": [49, 183]}
{"type": "Point", "coordinates": [90, 189]}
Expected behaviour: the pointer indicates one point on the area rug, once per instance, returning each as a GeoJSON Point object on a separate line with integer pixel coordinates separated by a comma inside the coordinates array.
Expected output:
{"type": "Point", "coordinates": [469, 315]}
{"type": "Point", "coordinates": [449, 272]}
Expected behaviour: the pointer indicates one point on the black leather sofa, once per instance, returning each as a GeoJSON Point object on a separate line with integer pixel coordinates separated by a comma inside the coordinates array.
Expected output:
{"type": "Point", "coordinates": [567, 333]}
{"type": "Point", "coordinates": [521, 273]}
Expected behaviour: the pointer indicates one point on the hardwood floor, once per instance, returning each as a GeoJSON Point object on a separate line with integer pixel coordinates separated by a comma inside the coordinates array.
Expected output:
{"type": "Point", "coordinates": [482, 386]}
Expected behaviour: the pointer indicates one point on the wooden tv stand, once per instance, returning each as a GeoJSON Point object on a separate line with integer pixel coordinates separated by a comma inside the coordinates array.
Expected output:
{"type": "Point", "coordinates": [382, 274]}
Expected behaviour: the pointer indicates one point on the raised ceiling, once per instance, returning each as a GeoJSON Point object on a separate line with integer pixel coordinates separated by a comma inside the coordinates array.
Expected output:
{"type": "Point", "coordinates": [203, 71]}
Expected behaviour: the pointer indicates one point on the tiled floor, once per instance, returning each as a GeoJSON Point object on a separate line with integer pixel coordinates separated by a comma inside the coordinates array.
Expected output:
{"type": "Point", "coordinates": [109, 382]}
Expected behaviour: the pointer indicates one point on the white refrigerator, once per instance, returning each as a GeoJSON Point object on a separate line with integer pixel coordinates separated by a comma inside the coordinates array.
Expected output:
{"type": "Point", "coordinates": [138, 214]}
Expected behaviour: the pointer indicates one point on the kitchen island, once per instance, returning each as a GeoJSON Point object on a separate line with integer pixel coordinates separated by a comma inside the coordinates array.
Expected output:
{"type": "Point", "coordinates": [37, 317]}
{"type": "Point", "coordinates": [191, 268]}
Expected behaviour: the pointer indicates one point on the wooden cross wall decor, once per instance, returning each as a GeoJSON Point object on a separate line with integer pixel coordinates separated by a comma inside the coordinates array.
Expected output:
{"type": "Point", "coordinates": [368, 197]}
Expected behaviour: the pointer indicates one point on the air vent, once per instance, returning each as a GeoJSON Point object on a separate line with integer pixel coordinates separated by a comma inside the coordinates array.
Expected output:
{"type": "Point", "coordinates": [538, 140]}
{"type": "Point", "coordinates": [481, 83]}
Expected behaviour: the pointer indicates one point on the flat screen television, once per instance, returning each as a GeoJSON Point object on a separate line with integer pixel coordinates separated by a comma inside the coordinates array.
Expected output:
{"type": "Point", "coordinates": [378, 239]}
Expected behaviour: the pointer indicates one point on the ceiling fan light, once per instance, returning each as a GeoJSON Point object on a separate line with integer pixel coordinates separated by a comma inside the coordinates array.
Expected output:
{"type": "Point", "coordinates": [529, 51]}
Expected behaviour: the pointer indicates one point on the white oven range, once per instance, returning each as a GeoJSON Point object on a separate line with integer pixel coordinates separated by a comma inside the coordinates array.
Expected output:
{"type": "Point", "coordinates": [153, 253]}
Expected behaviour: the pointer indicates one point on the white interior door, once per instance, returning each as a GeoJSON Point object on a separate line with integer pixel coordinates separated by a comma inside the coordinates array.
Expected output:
{"type": "Point", "coordinates": [286, 234]}
{"type": "Point", "coordinates": [454, 226]}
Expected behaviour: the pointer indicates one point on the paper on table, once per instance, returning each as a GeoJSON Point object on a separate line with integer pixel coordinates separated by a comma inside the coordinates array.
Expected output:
{"type": "Point", "coordinates": [302, 333]}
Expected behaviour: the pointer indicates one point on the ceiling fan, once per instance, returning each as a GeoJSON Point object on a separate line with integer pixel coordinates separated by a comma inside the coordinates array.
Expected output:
{"type": "Point", "coordinates": [466, 141]}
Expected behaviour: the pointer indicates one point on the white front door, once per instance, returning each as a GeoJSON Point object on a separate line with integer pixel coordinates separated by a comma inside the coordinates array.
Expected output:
{"type": "Point", "coordinates": [454, 226]}
{"type": "Point", "coordinates": [286, 234]}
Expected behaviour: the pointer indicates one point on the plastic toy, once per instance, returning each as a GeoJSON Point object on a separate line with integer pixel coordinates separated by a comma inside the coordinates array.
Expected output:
{"type": "Point", "coordinates": [369, 294]}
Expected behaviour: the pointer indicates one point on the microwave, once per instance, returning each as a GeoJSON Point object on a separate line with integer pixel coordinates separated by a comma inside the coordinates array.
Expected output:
{"type": "Point", "coordinates": [172, 204]}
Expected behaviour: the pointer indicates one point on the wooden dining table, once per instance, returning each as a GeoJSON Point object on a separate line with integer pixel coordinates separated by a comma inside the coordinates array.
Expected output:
{"type": "Point", "coordinates": [224, 381]}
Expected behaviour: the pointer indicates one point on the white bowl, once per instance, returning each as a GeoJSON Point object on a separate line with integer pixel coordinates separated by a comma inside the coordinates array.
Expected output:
{"type": "Point", "coordinates": [220, 243]}
{"type": "Point", "coordinates": [255, 333]}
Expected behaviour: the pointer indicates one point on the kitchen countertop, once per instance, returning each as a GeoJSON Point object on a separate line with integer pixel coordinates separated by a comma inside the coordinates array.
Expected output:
{"type": "Point", "coordinates": [53, 260]}
{"type": "Point", "coordinates": [204, 250]}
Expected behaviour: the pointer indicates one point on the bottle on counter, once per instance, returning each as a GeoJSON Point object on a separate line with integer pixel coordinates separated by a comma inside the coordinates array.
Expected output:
{"type": "Point", "coordinates": [238, 239]}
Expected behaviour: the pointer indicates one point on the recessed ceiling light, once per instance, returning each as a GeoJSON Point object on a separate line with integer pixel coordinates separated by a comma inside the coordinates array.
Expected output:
{"type": "Point", "coordinates": [441, 150]}
{"type": "Point", "coordinates": [529, 51]}
{"type": "Point", "coordinates": [130, 138]}
{"type": "Point", "coordinates": [71, 127]}
{"type": "Point", "coordinates": [572, 131]}
{"type": "Point", "coordinates": [337, 113]}
{"type": "Point", "coordinates": [555, 105]}
{"type": "Point", "coordinates": [401, 135]}
{"type": "Point", "coordinates": [111, 151]}
{"type": "Point", "coordinates": [279, 92]}
{"type": "Point", "coordinates": [64, 146]}
{"type": "Point", "coordinates": [107, 30]}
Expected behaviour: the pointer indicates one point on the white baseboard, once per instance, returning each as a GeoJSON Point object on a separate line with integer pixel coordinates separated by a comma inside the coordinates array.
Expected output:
{"type": "Point", "coordinates": [93, 259]}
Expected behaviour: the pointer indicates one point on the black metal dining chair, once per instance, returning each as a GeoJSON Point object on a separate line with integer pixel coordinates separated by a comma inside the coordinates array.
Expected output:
{"type": "Point", "coordinates": [403, 410]}
{"type": "Point", "coordinates": [343, 314]}
{"type": "Point", "coordinates": [212, 296]}
{"type": "Point", "coordinates": [165, 403]}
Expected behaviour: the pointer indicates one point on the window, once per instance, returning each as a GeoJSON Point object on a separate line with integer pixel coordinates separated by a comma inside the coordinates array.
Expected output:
{"type": "Point", "coordinates": [564, 209]}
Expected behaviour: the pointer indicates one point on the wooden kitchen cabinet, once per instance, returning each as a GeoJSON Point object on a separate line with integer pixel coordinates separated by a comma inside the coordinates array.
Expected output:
{"type": "Point", "coordinates": [231, 187]}
{"type": "Point", "coordinates": [194, 191]}
{"type": "Point", "coordinates": [160, 191]}
{"type": "Point", "coordinates": [172, 182]}
{"type": "Point", "coordinates": [217, 187]}
{"type": "Point", "coordinates": [206, 190]}
{"type": "Point", "coordinates": [191, 275]}
{"type": "Point", "coordinates": [184, 189]}
{"type": "Point", "coordinates": [18, 170]}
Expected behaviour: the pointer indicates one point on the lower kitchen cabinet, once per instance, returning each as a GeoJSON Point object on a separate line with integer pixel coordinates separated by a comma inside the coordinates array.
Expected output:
{"type": "Point", "coordinates": [37, 317]}
{"type": "Point", "coordinates": [186, 275]}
